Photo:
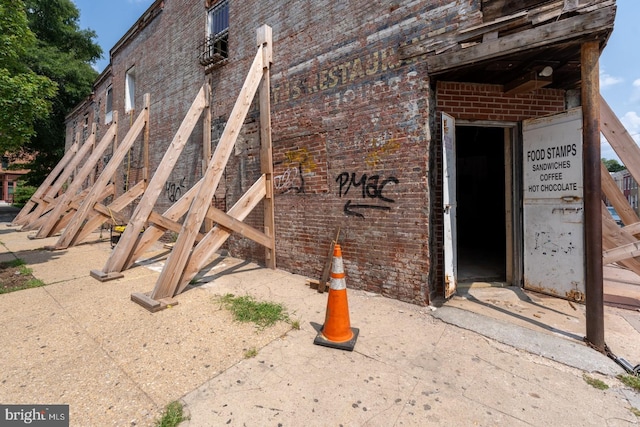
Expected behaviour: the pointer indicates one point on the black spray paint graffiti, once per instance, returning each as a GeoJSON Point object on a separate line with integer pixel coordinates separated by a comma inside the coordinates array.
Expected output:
{"type": "Point", "coordinates": [372, 188]}
{"type": "Point", "coordinates": [173, 190]}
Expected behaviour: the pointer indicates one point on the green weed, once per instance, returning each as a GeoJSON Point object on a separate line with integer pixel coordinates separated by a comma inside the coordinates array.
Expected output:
{"type": "Point", "coordinates": [632, 381]}
{"type": "Point", "coordinates": [172, 415]}
{"type": "Point", "coordinates": [247, 309]}
{"type": "Point", "coordinates": [594, 382]}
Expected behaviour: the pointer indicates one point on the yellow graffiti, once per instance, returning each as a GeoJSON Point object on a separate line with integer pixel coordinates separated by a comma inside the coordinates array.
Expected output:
{"type": "Point", "coordinates": [376, 156]}
{"type": "Point", "coordinates": [302, 157]}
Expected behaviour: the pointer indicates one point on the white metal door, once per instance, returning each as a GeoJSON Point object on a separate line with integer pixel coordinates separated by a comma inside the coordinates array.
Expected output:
{"type": "Point", "coordinates": [449, 203]}
{"type": "Point", "coordinates": [553, 205]}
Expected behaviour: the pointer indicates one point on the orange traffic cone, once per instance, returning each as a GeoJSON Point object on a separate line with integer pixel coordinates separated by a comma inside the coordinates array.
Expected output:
{"type": "Point", "coordinates": [337, 331]}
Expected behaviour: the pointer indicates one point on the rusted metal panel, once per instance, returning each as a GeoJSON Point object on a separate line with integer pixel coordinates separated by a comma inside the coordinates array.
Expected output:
{"type": "Point", "coordinates": [553, 206]}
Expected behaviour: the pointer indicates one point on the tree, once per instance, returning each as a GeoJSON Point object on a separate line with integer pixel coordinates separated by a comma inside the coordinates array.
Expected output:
{"type": "Point", "coordinates": [64, 53]}
{"type": "Point", "coordinates": [612, 165]}
{"type": "Point", "coordinates": [25, 97]}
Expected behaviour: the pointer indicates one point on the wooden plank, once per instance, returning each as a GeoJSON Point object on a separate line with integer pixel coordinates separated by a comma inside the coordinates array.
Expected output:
{"type": "Point", "coordinates": [206, 139]}
{"type": "Point", "coordinates": [166, 224]}
{"type": "Point", "coordinates": [49, 180]}
{"type": "Point", "coordinates": [111, 212]}
{"type": "Point", "coordinates": [72, 230]}
{"type": "Point", "coordinates": [232, 224]}
{"type": "Point", "coordinates": [153, 233]}
{"type": "Point", "coordinates": [616, 198]}
{"type": "Point", "coordinates": [214, 239]}
{"type": "Point", "coordinates": [126, 245]}
{"type": "Point", "coordinates": [326, 271]}
{"type": "Point", "coordinates": [51, 197]}
{"type": "Point", "coordinates": [264, 39]}
{"type": "Point", "coordinates": [613, 236]}
{"type": "Point", "coordinates": [170, 275]}
{"type": "Point", "coordinates": [620, 140]}
{"type": "Point", "coordinates": [544, 35]}
{"type": "Point", "coordinates": [76, 184]}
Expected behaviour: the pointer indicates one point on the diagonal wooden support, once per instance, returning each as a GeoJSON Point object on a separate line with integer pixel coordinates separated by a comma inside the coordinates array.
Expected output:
{"type": "Point", "coordinates": [50, 196]}
{"type": "Point", "coordinates": [175, 265]}
{"type": "Point", "coordinates": [186, 260]}
{"type": "Point", "coordinates": [75, 225]}
{"type": "Point", "coordinates": [202, 254]}
{"type": "Point", "coordinates": [75, 186]}
{"type": "Point", "coordinates": [103, 213]}
{"type": "Point", "coordinates": [121, 255]}
{"type": "Point", "coordinates": [36, 198]}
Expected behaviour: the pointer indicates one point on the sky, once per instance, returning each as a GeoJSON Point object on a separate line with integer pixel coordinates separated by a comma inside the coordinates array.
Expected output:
{"type": "Point", "coordinates": [619, 63]}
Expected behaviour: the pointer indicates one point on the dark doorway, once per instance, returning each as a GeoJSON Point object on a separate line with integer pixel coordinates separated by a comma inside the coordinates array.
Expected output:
{"type": "Point", "coordinates": [481, 224]}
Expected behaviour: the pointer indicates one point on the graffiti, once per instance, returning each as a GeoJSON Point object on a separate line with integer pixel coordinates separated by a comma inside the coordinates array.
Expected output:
{"type": "Point", "coordinates": [290, 180]}
{"type": "Point", "coordinates": [297, 162]}
{"type": "Point", "coordinates": [372, 187]}
{"type": "Point", "coordinates": [383, 149]}
{"type": "Point", "coordinates": [173, 190]}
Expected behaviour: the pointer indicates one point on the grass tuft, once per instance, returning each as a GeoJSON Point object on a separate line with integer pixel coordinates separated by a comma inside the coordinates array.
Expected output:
{"type": "Point", "coordinates": [594, 382]}
{"type": "Point", "coordinates": [252, 352]}
{"type": "Point", "coordinates": [172, 415]}
{"type": "Point", "coordinates": [632, 381]}
{"type": "Point", "coordinates": [247, 309]}
{"type": "Point", "coordinates": [13, 263]}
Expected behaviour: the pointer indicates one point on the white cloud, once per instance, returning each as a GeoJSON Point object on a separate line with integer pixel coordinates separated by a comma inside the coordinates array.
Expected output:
{"type": "Point", "coordinates": [631, 122]}
{"type": "Point", "coordinates": [607, 80]}
{"type": "Point", "coordinates": [636, 82]}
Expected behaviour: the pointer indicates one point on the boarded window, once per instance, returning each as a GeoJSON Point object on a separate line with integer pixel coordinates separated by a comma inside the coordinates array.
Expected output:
{"type": "Point", "coordinates": [108, 109]}
{"type": "Point", "coordinates": [130, 90]}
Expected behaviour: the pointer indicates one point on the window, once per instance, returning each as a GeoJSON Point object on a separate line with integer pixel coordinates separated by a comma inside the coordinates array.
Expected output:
{"type": "Point", "coordinates": [130, 90]}
{"type": "Point", "coordinates": [108, 109]}
{"type": "Point", "coordinates": [215, 47]}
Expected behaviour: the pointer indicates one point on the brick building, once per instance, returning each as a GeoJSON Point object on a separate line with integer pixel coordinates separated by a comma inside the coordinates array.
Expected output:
{"type": "Point", "coordinates": [358, 91]}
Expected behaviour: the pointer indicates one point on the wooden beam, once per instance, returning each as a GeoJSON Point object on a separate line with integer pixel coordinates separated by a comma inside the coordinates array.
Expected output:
{"type": "Point", "coordinates": [206, 139]}
{"type": "Point", "coordinates": [49, 180]}
{"type": "Point", "coordinates": [205, 250]}
{"type": "Point", "coordinates": [72, 230]}
{"type": "Point", "coordinates": [76, 184]}
{"type": "Point", "coordinates": [544, 35]}
{"type": "Point", "coordinates": [50, 196]}
{"type": "Point", "coordinates": [103, 213]}
{"type": "Point", "coordinates": [620, 140]}
{"type": "Point", "coordinates": [266, 158]}
{"type": "Point", "coordinates": [128, 239]}
{"type": "Point", "coordinates": [616, 198]}
{"type": "Point", "coordinates": [614, 237]}
{"type": "Point", "coordinates": [170, 275]}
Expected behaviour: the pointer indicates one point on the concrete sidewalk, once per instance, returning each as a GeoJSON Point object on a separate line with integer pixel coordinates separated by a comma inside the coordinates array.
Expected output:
{"type": "Point", "coordinates": [84, 343]}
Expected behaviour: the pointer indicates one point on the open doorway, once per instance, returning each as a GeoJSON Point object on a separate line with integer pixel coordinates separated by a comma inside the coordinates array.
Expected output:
{"type": "Point", "coordinates": [480, 191]}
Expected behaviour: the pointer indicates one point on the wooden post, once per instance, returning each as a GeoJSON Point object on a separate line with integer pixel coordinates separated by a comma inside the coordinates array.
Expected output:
{"type": "Point", "coordinates": [206, 140]}
{"type": "Point", "coordinates": [590, 53]}
{"type": "Point", "coordinates": [175, 265]}
{"type": "Point", "coordinates": [125, 247]}
{"type": "Point", "coordinates": [72, 230]}
{"type": "Point", "coordinates": [46, 184]}
{"type": "Point", "coordinates": [266, 158]}
{"type": "Point", "coordinates": [62, 206]}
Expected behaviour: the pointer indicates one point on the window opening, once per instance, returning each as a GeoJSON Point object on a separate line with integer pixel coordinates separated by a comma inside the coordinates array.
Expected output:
{"type": "Point", "coordinates": [108, 115]}
{"type": "Point", "coordinates": [214, 49]}
{"type": "Point", "coordinates": [130, 90]}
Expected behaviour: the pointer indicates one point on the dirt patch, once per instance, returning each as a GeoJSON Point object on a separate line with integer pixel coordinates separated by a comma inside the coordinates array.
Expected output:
{"type": "Point", "coordinates": [15, 278]}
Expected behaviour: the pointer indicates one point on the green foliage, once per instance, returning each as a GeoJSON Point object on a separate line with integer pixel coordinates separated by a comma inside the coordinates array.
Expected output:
{"type": "Point", "coordinates": [594, 382]}
{"type": "Point", "coordinates": [172, 415]}
{"type": "Point", "coordinates": [252, 352]}
{"type": "Point", "coordinates": [25, 96]}
{"type": "Point", "coordinates": [63, 53]}
{"type": "Point", "coordinates": [13, 263]}
{"type": "Point", "coordinates": [612, 165]}
{"type": "Point", "coordinates": [22, 194]}
{"type": "Point", "coordinates": [632, 381]}
{"type": "Point", "coordinates": [247, 309]}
